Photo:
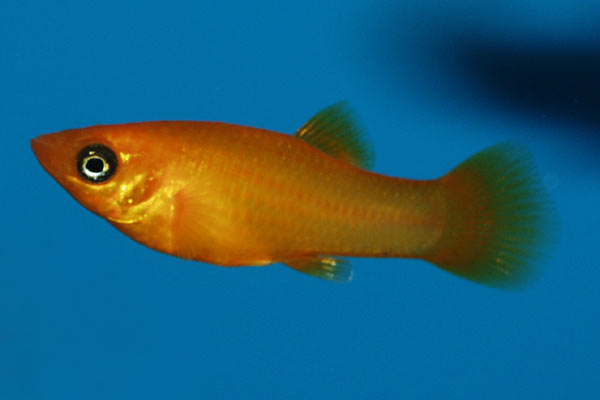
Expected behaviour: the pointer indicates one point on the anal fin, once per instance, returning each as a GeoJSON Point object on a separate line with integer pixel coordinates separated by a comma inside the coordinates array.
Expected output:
{"type": "Point", "coordinates": [328, 268]}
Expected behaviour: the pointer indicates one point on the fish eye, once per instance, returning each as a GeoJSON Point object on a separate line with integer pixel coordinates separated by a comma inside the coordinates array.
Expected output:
{"type": "Point", "coordinates": [96, 163]}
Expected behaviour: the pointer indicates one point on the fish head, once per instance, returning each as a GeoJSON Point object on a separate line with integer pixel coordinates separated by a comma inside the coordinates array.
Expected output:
{"type": "Point", "coordinates": [109, 169]}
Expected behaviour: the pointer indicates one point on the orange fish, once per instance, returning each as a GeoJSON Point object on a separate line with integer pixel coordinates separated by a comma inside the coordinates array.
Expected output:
{"type": "Point", "coordinates": [239, 196]}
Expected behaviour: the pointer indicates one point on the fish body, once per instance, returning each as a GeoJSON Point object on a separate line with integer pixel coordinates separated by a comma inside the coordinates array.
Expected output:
{"type": "Point", "coordinates": [239, 196]}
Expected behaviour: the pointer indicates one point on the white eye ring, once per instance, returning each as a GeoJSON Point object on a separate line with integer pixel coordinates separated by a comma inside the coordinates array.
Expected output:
{"type": "Point", "coordinates": [98, 168]}
{"type": "Point", "coordinates": [97, 163]}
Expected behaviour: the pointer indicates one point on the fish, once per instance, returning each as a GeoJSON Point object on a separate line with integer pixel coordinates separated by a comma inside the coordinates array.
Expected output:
{"type": "Point", "coordinates": [233, 195]}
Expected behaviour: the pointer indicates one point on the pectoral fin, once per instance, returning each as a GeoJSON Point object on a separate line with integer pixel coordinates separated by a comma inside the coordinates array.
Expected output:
{"type": "Point", "coordinates": [329, 268]}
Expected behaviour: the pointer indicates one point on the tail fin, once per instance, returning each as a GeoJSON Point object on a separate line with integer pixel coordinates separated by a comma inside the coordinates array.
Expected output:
{"type": "Point", "coordinates": [500, 219]}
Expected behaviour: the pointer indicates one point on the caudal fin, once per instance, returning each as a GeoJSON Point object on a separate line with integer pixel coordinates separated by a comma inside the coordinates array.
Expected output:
{"type": "Point", "coordinates": [500, 220]}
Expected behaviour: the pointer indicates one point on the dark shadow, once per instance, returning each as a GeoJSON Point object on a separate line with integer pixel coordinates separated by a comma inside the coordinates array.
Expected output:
{"type": "Point", "coordinates": [550, 81]}
{"type": "Point", "coordinates": [468, 61]}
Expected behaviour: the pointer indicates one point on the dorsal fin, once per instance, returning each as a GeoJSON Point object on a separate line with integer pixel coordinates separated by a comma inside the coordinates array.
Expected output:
{"type": "Point", "coordinates": [335, 131]}
{"type": "Point", "coordinates": [328, 268]}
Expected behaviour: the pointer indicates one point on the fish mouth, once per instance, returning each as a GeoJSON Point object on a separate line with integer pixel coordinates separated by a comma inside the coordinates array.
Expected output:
{"type": "Point", "coordinates": [48, 150]}
{"type": "Point", "coordinates": [43, 151]}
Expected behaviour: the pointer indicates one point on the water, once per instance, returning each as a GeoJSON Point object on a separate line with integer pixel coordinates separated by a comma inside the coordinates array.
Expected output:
{"type": "Point", "coordinates": [87, 313]}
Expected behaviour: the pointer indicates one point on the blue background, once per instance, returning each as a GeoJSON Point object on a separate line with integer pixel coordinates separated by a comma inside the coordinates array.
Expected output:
{"type": "Point", "coordinates": [86, 313]}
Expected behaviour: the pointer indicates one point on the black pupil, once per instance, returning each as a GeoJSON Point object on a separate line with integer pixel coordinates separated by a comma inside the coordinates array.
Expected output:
{"type": "Point", "coordinates": [95, 165]}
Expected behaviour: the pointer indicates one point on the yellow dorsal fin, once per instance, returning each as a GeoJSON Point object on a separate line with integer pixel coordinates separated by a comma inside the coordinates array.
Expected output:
{"type": "Point", "coordinates": [335, 131]}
